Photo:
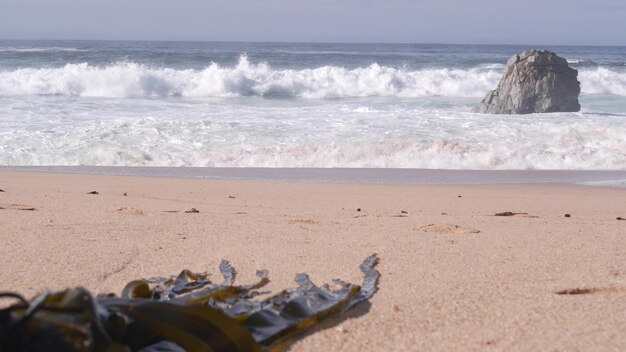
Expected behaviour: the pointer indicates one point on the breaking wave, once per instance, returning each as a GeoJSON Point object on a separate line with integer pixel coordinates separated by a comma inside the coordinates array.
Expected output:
{"type": "Point", "coordinates": [603, 81]}
{"type": "Point", "coordinates": [11, 49]}
{"type": "Point", "coordinates": [245, 79]}
{"type": "Point", "coordinates": [127, 80]}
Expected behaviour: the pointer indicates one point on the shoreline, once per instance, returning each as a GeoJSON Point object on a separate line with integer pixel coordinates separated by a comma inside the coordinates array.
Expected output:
{"type": "Point", "coordinates": [454, 276]}
{"type": "Point", "coordinates": [608, 178]}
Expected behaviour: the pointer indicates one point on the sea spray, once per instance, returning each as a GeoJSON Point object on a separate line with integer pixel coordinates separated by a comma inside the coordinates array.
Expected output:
{"type": "Point", "coordinates": [295, 105]}
{"type": "Point", "coordinates": [131, 80]}
{"type": "Point", "coordinates": [128, 80]}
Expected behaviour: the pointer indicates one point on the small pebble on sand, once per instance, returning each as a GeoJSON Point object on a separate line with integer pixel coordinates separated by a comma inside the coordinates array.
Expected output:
{"type": "Point", "coordinates": [341, 329]}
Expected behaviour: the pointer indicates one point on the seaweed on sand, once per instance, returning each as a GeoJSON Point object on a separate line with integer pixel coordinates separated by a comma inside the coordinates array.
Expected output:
{"type": "Point", "coordinates": [187, 312]}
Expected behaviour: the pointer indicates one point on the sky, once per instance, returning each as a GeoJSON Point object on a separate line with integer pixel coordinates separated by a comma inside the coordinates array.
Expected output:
{"type": "Point", "coordinates": [553, 22]}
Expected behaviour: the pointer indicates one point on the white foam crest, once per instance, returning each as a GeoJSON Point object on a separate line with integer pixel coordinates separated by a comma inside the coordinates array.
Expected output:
{"type": "Point", "coordinates": [602, 81]}
{"type": "Point", "coordinates": [125, 80]}
{"type": "Point", "coordinates": [493, 66]}
{"type": "Point", "coordinates": [245, 79]}
{"type": "Point", "coordinates": [39, 50]}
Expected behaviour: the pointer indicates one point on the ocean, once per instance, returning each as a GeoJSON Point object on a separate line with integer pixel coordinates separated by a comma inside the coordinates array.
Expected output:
{"type": "Point", "coordinates": [296, 105]}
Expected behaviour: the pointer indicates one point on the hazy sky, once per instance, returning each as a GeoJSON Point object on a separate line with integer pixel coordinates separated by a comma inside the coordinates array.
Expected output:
{"type": "Point", "coordinates": [600, 22]}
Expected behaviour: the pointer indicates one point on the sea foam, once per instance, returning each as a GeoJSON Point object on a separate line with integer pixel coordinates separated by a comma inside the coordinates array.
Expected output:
{"type": "Point", "coordinates": [57, 131]}
{"type": "Point", "coordinates": [245, 79]}
{"type": "Point", "coordinates": [574, 150]}
{"type": "Point", "coordinates": [603, 81]}
{"type": "Point", "coordinates": [128, 80]}
{"type": "Point", "coordinates": [320, 108]}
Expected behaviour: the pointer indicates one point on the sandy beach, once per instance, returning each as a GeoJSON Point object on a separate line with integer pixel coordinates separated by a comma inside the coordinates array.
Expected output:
{"type": "Point", "coordinates": [454, 276]}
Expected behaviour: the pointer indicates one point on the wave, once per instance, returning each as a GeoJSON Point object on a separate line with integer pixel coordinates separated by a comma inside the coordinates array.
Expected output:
{"type": "Point", "coordinates": [245, 79]}
{"type": "Point", "coordinates": [603, 81]}
{"type": "Point", "coordinates": [582, 63]}
{"type": "Point", "coordinates": [127, 80]}
{"type": "Point", "coordinates": [588, 63]}
{"type": "Point", "coordinates": [38, 50]}
{"type": "Point", "coordinates": [493, 66]}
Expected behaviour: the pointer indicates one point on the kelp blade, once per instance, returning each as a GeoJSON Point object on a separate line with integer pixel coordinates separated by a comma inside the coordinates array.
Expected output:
{"type": "Point", "coordinates": [182, 312]}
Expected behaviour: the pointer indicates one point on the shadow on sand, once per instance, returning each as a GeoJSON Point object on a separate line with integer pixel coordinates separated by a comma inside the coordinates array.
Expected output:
{"type": "Point", "coordinates": [357, 311]}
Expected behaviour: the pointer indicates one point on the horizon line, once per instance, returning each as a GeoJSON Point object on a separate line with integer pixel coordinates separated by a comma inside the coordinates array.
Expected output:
{"type": "Point", "coordinates": [305, 42]}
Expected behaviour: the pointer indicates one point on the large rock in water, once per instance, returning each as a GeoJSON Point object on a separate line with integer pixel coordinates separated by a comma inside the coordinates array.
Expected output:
{"type": "Point", "coordinates": [534, 81]}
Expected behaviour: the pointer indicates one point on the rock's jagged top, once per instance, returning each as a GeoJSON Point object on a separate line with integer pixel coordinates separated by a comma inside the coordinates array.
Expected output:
{"type": "Point", "coordinates": [535, 81]}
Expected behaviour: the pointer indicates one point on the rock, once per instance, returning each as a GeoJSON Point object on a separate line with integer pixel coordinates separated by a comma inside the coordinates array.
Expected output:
{"type": "Point", "coordinates": [535, 81]}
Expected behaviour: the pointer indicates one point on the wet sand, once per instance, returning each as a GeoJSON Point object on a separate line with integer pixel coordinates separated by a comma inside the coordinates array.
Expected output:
{"type": "Point", "coordinates": [610, 178]}
{"type": "Point", "coordinates": [454, 276]}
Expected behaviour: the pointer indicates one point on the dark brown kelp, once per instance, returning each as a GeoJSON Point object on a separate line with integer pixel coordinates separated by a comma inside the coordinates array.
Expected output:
{"type": "Point", "coordinates": [187, 312]}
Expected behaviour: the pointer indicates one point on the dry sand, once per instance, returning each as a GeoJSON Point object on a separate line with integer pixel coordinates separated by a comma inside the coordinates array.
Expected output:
{"type": "Point", "coordinates": [454, 277]}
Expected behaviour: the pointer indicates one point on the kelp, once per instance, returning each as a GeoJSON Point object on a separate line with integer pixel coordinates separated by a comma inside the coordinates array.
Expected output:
{"type": "Point", "coordinates": [186, 312]}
